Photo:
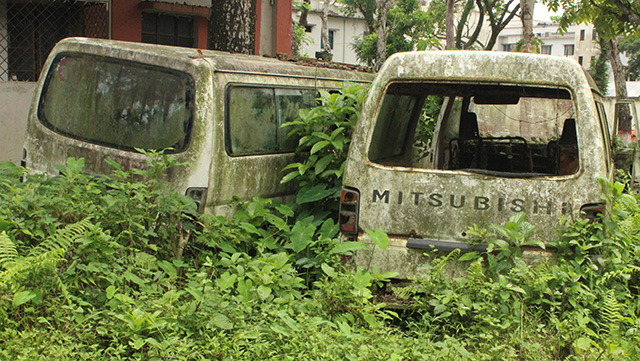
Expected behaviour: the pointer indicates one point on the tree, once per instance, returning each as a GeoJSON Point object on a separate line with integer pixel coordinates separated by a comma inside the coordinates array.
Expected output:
{"type": "Point", "coordinates": [234, 29]}
{"type": "Point", "coordinates": [528, 39]}
{"type": "Point", "coordinates": [324, 31]}
{"type": "Point", "coordinates": [299, 36]}
{"type": "Point", "coordinates": [407, 27]}
{"type": "Point", "coordinates": [610, 17]}
{"type": "Point", "coordinates": [500, 13]}
{"type": "Point", "coordinates": [631, 46]}
{"type": "Point", "coordinates": [449, 24]}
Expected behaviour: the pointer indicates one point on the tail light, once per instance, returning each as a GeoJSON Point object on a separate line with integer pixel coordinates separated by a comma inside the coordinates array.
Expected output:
{"type": "Point", "coordinates": [592, 211]}
{"type": "Point", "coordinates": [349, 211]}
{"type": "Point", "coordinates": [199, 195]}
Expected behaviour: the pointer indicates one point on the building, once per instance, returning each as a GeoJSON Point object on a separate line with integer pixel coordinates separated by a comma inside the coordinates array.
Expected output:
{"type": "Point", "coordinates": [30, 28]}
{"type": "Point", "coordinates": [578, 42]}
{"type": "Point", "coordinates": [342, 30]}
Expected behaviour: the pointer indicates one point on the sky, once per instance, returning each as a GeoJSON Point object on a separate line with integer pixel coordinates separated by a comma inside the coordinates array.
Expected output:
{"type": "Point", "coordinates": [540, 12]}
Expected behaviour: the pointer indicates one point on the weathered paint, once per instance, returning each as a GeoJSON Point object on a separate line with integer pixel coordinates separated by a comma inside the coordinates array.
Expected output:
{"type": "Point", "coordinates": [209, 164]}
{"type": "Point", "coordinates": [428, 203]}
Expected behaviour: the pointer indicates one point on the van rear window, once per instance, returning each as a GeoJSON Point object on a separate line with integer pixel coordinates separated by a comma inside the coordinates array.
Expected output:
{"type": "Point", "coordinates": [117, 103]}
{"type": "Point", "coordinates": [499, 130]}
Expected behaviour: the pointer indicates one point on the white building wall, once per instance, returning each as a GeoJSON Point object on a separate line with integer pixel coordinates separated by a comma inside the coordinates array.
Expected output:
{"type": "Point", "coordinates": [344, 29]}
{"type": "Point", "coordinates": [550, 36]}
{"type": "Point", "coordinates": [267, 40]}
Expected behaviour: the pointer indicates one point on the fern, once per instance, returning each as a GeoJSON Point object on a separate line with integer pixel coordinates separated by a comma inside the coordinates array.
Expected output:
{"type": "Point", "coordinates": [42, 258]}
{"type": "Point", "coordinates": [609, 313]}
{"type": "Point", "coordinates": [63, 238]}
{"type": "Point", "coordinates": [8, 251]}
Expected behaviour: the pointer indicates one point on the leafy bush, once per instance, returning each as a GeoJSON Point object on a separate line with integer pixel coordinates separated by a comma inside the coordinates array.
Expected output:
{"type": "Point", "coordinates": [119, 267]}
{"type": "Point", "coordinates": [325, 133]}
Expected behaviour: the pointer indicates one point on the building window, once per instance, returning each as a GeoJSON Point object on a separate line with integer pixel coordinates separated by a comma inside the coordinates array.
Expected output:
{"type": "Point", "coordinates": [508, 47]}
{"type": "Point", "coordinates": [580, 60]}
{"type": "Point", "coordinates": [167, 30]}
{"type": "Point", "coordinates": [331, 36]}
{"type": "Point", "coordinates": [545, 49]}
{"type": "Point", "coordinates": [30, 29]}
{"type": "Point", "coordinates": [594, 35]}
{"type": "Point", "coordinates": [569, 50]}
{"type": "Point", "coordinates": [582, 32]}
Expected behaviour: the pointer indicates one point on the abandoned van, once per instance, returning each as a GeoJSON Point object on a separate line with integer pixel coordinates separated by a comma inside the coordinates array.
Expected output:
{"type": "Point", "coordinates": [446, 140]}
{"type": "Point", "coordinates": [219, 112]}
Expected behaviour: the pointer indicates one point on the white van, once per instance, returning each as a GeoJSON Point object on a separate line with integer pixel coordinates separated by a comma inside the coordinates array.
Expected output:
{"type": "Point", "coordinates": [450, 139]}
{"type": "Point", "coordinates": [222, 113]}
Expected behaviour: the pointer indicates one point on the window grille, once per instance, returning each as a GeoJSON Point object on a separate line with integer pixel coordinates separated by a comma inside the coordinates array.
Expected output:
{"type": "Point", "coordinates": [30, 28]}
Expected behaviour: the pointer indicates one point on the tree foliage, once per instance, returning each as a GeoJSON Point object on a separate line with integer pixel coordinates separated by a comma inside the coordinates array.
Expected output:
{"type": "Point", "coordinates": [631, 47]}
{"type": "Point", "coordinates": [610, 17]}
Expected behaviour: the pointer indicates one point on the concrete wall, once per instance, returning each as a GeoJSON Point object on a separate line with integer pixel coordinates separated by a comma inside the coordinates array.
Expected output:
{"type": "Point", "coordinates": [15, 100]}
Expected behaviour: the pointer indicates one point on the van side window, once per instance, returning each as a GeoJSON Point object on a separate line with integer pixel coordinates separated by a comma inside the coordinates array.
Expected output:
{"type": "Point", "coordinates": [606, 135]}
{"type": "Point", "coordinates": [255, 116]}
{"type": "Point", "coordinates": [498, 130]}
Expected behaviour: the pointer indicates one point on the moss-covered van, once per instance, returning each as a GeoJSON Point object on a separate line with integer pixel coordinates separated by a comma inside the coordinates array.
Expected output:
{"type": "Point", "coordinates": [450, 139]}
{"type": "Point", "coordinates": [219, 112]}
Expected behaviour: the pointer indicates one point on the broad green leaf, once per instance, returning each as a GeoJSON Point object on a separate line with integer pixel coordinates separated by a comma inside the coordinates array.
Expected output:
{"type": "Point", "coordinates": [226, 281]}
{"type": "Point", "coordinates": [329, 229]}
{"type": "Point", "coordinates": [168, 268]}
{"type": "Point", "coordinates": [322, 164]}
{"type": "Point", "coordinates": [278, 222]}
{"type": "Point", "coordinates": [111, 290]}
{"type": "Point", "coordinates": [583, 343]}
{"type": "Point", "coordinates": [328, 270]}
{"type": "Point", "coordinates": [133, 278]}
{"type": "Point", "coordinates": [379, 238]}
{"type": "Point", "coordinates": [312, 194]}
{"type": "Point", "coordinates": [301, 236]}
{"type": "Point", "coordinates": [221, 321]}
{"type": "Point", "coordinates": [250, 228]}
{"type": "Point", "coordinates": [468, 256]}
{"type": "Point", "coordinates": [23, 297]}
{"type": "Point", "coordinates": [345, 247]}
{"type": "Point", "coordinates": [290, 176]}
{"type": "Point", "coordinates": [263, 291]}
{"type": "Point", "coordinates": [319, 146]}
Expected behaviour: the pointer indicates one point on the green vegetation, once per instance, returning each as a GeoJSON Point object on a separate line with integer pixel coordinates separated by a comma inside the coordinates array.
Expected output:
{"type": "Point", "coordinates": [117, 267]}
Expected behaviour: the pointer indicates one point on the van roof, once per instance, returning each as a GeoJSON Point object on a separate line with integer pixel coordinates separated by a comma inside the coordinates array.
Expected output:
{"type": "Point", "coordinates": [484, 66]}
{"type": "Point", "coordinates": [219, 60]}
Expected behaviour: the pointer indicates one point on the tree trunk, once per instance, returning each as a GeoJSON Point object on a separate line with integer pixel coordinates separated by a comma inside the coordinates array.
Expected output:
{"type": "Point", "coordinates": [232, 26]}
{"type": "Point", "coordinates": [449, 26]}
{"type": "Point", "coordinates": [383, 7]}
{"type": "Point", "coordinates": [304, 13]}
{"type": "Point", "coordinates": [528, 39]}
{"type": "Point", "coordinates": [624, 113]}
{"type": "Point", "coordinates": [324, 31]}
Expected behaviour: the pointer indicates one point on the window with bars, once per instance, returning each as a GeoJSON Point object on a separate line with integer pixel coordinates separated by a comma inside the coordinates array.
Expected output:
{"type": "Point", "coordinates": [167, 29]}
{"type": "Point", "coordinates": [30, 29]}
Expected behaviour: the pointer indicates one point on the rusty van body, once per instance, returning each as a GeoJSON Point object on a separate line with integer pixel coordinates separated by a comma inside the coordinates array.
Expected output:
{"type": "Point", "coordinates": [450, 139]}
{"type": "Point", "coordinates": [219, 112]}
